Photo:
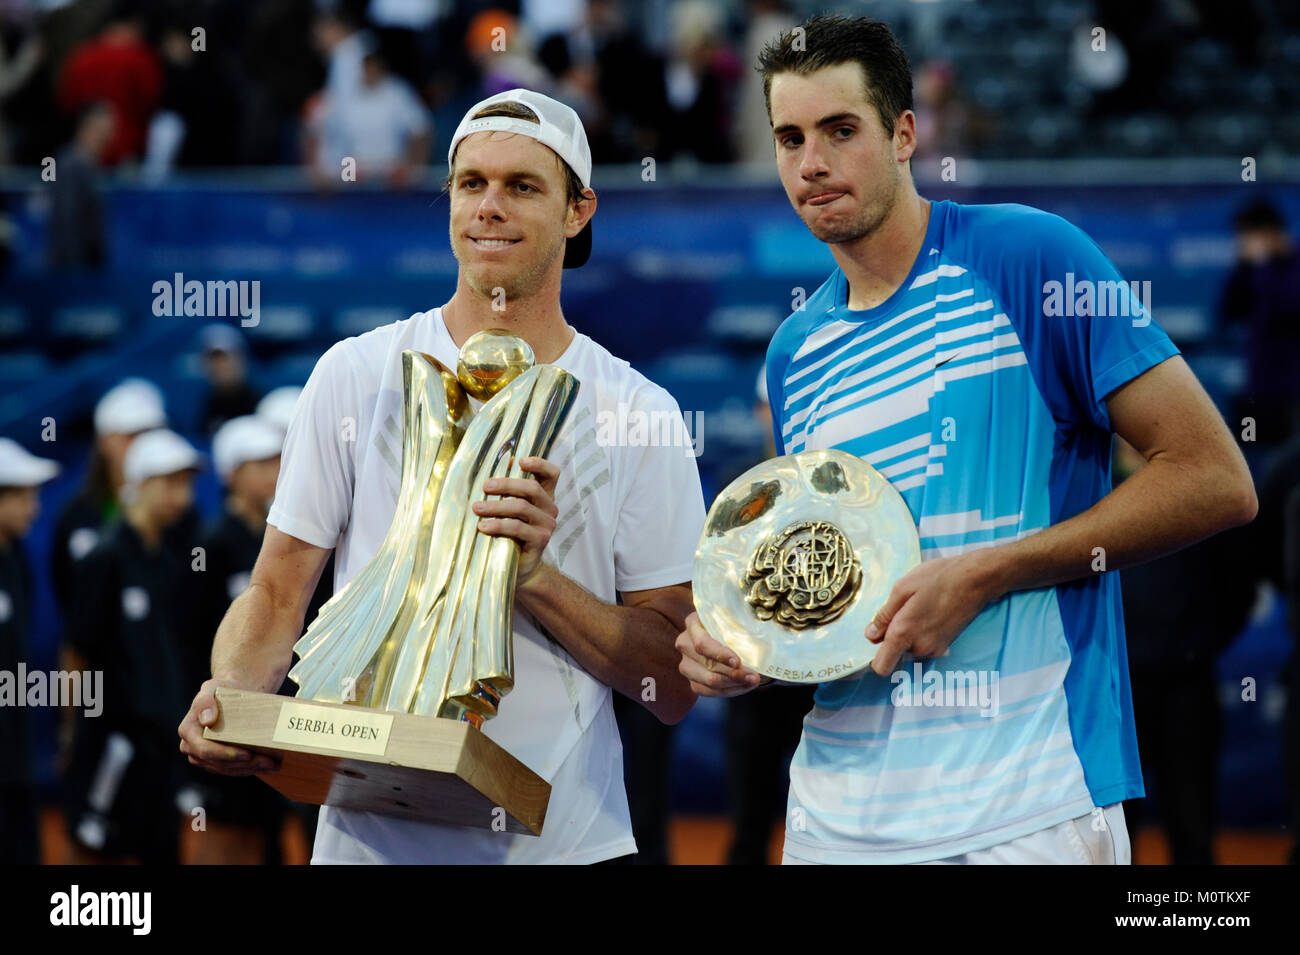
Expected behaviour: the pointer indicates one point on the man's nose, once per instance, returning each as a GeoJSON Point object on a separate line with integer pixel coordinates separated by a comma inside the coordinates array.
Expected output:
{"type": "Point", "coordinates": [812, 164]}
{"type": "Point", "coordinates": [491, 206]}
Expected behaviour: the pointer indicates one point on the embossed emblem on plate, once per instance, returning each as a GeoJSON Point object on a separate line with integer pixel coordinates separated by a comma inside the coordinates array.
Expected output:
{"type": "Point", "coordinates": [803, 575]}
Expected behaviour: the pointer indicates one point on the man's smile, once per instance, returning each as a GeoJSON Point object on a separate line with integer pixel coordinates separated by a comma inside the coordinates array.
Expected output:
{"type": "Point", "coordinates": [493, 243]}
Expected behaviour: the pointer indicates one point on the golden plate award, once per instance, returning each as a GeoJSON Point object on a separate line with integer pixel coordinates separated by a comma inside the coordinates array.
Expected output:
{"type": "Point", "coordinates": [401, 667]}
{"type": "Point", "coordinates": [796, 557]}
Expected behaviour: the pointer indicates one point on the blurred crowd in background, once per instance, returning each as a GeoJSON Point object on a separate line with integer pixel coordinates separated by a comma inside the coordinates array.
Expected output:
{"type": "Point", "coordinates": [202, 83]}
{"type": "Point", "coordinates": [148, 92]}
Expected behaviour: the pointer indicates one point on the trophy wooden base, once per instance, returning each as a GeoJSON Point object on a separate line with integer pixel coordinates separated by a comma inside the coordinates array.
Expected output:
{"type": "Point", "coordinates": [397, 764]}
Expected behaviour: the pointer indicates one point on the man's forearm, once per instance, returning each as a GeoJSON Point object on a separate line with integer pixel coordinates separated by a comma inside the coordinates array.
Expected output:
{"type": "Point", "coordinates": [1161, 508]}
{"type": "Point", "coordinates": [618, 645]}
{"type": "Point", "coordinates": [254, 644]}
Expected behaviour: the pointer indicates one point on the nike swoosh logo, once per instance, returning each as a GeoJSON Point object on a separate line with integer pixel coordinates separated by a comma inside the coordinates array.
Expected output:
{"type": "Point", "coordinates": [940, 364]}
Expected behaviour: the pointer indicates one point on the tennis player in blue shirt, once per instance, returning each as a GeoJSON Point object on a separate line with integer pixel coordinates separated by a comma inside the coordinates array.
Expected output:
{"type": "Point", "coordinates": [981, 358]}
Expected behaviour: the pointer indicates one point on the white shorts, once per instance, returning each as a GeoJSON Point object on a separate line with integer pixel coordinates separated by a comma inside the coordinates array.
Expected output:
{"type": "Point", "coordinates": [1099, 838]}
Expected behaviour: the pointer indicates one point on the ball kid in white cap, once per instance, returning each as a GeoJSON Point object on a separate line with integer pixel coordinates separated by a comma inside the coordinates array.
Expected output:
{"type": "Point", "coordinates": [159, 481]}
{"type": "Point", "coordinates": [246, 454]}
{"type": "Point", "coordinates": [21, 475]}
{"type": "Point", "coordinates": [132, 406]}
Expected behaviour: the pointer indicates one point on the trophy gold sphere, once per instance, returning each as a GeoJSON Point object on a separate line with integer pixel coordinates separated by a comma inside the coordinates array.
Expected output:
{"type": "Point", "coordinates": [491, 359]}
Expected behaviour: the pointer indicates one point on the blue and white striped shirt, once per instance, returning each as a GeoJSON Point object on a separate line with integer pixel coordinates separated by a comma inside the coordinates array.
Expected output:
{"type": "Point", "coordinates": [978, 389]}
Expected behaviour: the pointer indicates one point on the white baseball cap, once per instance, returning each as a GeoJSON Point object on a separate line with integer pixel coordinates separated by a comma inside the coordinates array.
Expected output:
{"type": "Point", "coordinates": [277, 407]}
{"type": "Point", "coordinates": [131, 406]}
{"type": "Point", "coordinates": [20, 469]}
{"type": "Point", "coordinates": [158, 452]}
{"type": "Point", "coordinates": [246, 438]}
{"type": "Point", "coordinates": [558, 127]}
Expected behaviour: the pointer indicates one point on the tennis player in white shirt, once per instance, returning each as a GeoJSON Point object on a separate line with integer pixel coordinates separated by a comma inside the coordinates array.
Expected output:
{"type": "Point", "coordinates": [607, 532]}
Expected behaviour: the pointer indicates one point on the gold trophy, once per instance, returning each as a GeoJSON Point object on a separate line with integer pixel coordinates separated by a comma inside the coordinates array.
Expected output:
{"type": "Point", "coordinates": [796, 557]}
{"type": "Point", "coordinates": [403, 665]}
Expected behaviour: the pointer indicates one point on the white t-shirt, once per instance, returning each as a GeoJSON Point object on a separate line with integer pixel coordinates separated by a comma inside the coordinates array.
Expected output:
{"type": "Point", "coordinates": [630, 513]}
{"type": "Point", "coordinates": [373, 125]}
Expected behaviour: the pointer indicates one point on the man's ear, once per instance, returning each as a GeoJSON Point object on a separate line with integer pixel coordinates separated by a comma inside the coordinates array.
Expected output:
{"type": "Point", "coordinates": [905, 135]}
{"type": "Point", "coordinates": [580, 213]}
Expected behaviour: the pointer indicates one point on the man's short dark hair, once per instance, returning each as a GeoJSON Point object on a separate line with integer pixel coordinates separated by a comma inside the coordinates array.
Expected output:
{"type": "Point", "coordinates": [572, 184]}
{"type": "Point", "coordinates": [823, 41]}
{"type": "Point", "coordinates": [1258, 215]}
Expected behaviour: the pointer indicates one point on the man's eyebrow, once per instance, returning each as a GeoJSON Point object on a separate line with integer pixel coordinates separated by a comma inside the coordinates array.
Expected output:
{"type": "Point", "coordinates": [824, 121]}
{"type": "Point", "coordinates": [513, 175]}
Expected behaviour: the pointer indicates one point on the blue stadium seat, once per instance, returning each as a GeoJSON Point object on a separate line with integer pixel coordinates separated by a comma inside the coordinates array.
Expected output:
{"type": "Point", "coordinates": [703, 381]}
{"type": "Point", "coordinates": [292, 369]}
{"type": "Point", "coordinates": [1222, 374]}
{"type": "Point", "coordinates": [362, 318]}
{"type": "Point", "coordinates": [15, 325]}
{"type": "Point", "coordinates": [283, 326]}
{"type": "Point", "coordinates": [19, 371]}
{"type": "Point", "coordinates": [745, 326]}
{"type": "Point", "coordinates": [75, 328]}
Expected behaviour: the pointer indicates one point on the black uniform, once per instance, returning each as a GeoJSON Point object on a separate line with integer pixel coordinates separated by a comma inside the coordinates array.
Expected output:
{"type": "Point", "coordinates": [19, 841]}
{"type": "Point", "coordinates": [126, 768]}
{"type": "Point", "coordinates": [1277, 554]}
{"type": "Point", "coordinates": [76, 533]}
{"type": "Point", "coordinates": [230, 551]}
{"type": "Point", "coordinates": [82, 523]}
{"type": "Point", "coordinates": [226, 403]}
{"type": "Point", "coordinates": [763, 728]}
{"type": "Point", "coordinates": [1180, 613]}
